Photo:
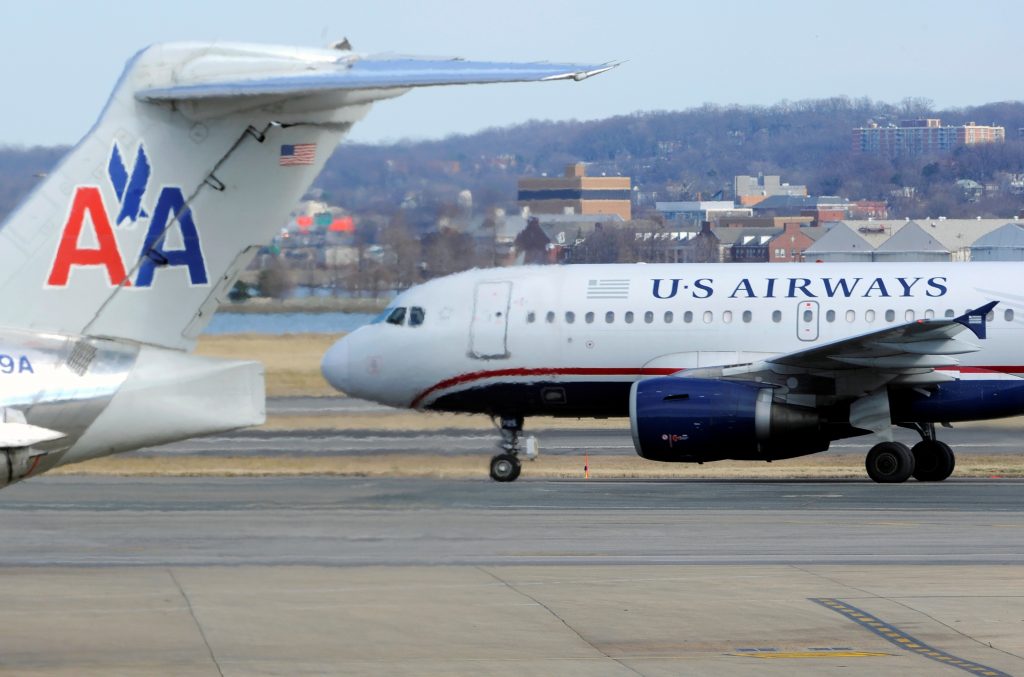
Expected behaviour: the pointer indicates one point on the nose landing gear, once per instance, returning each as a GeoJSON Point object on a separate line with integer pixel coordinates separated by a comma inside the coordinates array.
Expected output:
{"type": "Point", "coordinates": [505, 467]}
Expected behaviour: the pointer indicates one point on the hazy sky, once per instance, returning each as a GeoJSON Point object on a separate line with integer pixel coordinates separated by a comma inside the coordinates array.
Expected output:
{"type": "Point", "coordinates": [59, 59]}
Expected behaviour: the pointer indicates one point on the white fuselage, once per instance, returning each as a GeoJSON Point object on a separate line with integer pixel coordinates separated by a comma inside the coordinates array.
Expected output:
{"type": "Point", "coordinates": [484, 332]}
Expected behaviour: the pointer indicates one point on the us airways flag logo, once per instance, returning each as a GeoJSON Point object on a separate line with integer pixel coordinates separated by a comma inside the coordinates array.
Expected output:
{"type": "Point", "coordinates": [89, 219]}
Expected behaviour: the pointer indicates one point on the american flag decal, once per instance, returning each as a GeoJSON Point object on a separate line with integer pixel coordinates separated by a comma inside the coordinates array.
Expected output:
{"type": "Point", "coordinates": [608, 289]}
{"type": "Point", "coordinates": [297, 154]}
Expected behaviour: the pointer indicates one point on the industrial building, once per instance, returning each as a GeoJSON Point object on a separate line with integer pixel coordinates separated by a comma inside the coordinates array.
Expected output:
{"type": "Point", "coordinates": [695, 212]}
{"type": "Point", "coordinates": [749, 190]}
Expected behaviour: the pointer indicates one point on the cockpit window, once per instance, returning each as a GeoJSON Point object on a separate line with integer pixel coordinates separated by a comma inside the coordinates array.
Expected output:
{"type": "Point", "coordinates": [416, 315]}
{"type": "Point", "coordinates": [397, 316]}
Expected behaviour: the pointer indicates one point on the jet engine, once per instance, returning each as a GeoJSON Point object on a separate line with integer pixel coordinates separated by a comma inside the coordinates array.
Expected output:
{"type": "Point", "coordinates": [695, 420]}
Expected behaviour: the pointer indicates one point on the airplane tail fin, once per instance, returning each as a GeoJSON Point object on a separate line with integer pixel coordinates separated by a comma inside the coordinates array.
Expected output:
{"type": "Point", "coordinates": [196, 161]}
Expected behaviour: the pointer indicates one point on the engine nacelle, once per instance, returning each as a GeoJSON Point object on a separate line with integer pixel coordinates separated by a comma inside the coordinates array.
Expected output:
{"type": "Point", "coordinates": [696, 420]}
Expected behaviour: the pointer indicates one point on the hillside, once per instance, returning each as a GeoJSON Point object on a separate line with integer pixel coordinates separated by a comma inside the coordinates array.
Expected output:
{"type": "Point", "coordinates": [670, 155]}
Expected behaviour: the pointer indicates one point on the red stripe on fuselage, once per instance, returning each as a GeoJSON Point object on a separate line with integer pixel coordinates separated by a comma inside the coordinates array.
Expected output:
{"type": "Point", "coordinates": [1005, 369]}
{"type": "Point", "coordinates": [462, 379]}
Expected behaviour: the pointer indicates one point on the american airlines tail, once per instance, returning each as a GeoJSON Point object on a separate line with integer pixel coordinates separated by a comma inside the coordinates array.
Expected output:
{"type": "Point", "coordinates": [196, 160]}
{"type": "Point", "coordinates": [113, 266]}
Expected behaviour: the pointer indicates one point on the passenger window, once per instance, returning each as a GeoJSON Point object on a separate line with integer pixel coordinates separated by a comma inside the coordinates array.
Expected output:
{"type": "Point", "coordinates": [609, 317]}
{"type": "Point", "coordinates": [776, 316]}
{"type": "Point", "coordinates": [929, 314]}
{"type": "Point", "coordinates": [648, 317]}
{"type": "Point", "coordinates": [416, 316]}
{"type": "Point", "coordinates": [909, 316]}
{"type": "Point", "coordinates": [628, 317]}
{"type": "Point", "coordinates": [397, 316]}
{"type": "Point", "coordinates": [708, 316]}
{"type": "Point", "coordinates": [890, 316]}
{"type": "Point", "coordinates": [851, 316]}
{"type": "Point", "coordinates": [727, 316]}
{"type": "Point", "coordinates": [570, 317]}
{"type": "Point", "coordinates": [808, 316]}
{"type": "Point", "coordinates": [1008, 315]}
{"type": "Point", "coordinates": [747, 316]}
{"type": "Point", "coordinates": [688, 317]}
{"type": "Point", "coordinates": [830, 316]}
{"type": "Point", "coordinates": [668, 317]}
{"type": "Point", "coordinates": [991, 316]}
{"type": "Point", "coordinates": [950, 312]}
{"type": "Point", "coordinates": [869, 316]}
{"type": "Point", "coordinates": [531, 317]}
{"type": "Point", "coordinates": [550, 317]}
{"type": "Point", "coordinates": [589, 317]}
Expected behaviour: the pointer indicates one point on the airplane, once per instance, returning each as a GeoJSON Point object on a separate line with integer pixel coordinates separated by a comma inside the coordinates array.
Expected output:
{"type": "Point", "coordinates": [708, 361]}
{"type": "Point", "coordinates": [115, 263]}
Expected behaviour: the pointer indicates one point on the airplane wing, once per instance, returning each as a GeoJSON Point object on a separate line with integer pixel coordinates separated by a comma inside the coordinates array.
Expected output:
{"type": "Point", "coordinates": [14, 435]}
{"type": "Point", "coordinates": [364, 73]}
{"type": "Point", "coordinates": [859, 368]}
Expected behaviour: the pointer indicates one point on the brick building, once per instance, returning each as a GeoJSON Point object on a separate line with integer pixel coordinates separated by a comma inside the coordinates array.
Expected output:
{"type": "Point", "coordinates": [577, 193]}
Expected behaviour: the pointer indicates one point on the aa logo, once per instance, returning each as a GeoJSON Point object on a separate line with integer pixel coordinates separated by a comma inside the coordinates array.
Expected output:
{"type": "Point", "coordinates": [89, 220]}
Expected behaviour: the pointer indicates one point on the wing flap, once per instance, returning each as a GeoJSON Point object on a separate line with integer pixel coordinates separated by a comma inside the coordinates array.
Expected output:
{"type": "Point", "coordinates": [906, 355]}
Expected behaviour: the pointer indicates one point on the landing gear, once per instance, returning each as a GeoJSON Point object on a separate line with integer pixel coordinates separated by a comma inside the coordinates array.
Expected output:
{"type": "Point", "coordinates": [933, 461]}
{"type": "Point", "coordinates": [929, 461]}
{"type": "Point", "coordinates": [890, 462]}
{"type": "Point", "coordinates": [505, 467]}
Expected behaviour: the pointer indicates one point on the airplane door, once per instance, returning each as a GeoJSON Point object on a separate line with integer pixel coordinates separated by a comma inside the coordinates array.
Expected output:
{"type": "Point", "coordinates": [488, 333]}
{"type": "Point", "coordinates": [807, 321]}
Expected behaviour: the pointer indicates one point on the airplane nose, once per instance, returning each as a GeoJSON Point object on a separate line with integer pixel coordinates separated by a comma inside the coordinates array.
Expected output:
{"type": "Point", "coordinates": [335, 365]}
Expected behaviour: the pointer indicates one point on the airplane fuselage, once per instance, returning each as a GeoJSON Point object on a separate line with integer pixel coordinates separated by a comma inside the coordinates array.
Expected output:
{"type": "Point", "coordinates": [570, 340]}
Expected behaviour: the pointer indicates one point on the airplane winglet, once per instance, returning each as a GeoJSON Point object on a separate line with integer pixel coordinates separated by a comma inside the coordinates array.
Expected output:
{"type": "Point", "coordinates": [975, 319]}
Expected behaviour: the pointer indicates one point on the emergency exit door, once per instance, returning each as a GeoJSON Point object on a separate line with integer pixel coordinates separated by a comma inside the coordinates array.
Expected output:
{"type": "Point", "coordinates": [807, 321]}
{"type": "Point", "coordinates": [488, 332]}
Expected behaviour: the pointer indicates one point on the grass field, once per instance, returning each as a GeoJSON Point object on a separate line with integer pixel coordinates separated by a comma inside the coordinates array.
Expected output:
{"type": "Point", "coordinates": [292, 362]}
{"type": "Point", "coordinates": [819, 466]}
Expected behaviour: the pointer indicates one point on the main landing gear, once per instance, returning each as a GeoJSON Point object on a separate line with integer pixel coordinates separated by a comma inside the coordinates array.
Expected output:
{"type": "Point", "coordinates": [928, 461]}
{"type": "Point", "coordinates": [505, 467]}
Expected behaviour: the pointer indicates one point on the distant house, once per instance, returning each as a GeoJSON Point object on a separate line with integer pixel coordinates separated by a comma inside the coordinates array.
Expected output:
{"type": "Point", "coordinates": [767, 245]}
{"type": "Point", "coordinates": [533, 245]}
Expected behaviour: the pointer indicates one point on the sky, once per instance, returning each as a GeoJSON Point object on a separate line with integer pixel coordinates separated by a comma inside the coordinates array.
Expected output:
{"type": "Point", "coordinates": [60, 59]}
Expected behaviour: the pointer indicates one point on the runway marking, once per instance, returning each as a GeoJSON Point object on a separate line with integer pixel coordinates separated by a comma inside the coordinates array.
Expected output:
{"type": "Point", "coordinates": [811, 654]}
{"type": "Point", "coordinates": [897, 637]}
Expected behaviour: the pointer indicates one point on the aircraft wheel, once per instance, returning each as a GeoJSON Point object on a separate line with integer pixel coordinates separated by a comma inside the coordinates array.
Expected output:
{"type": "Point", "coordinates": [890, 462]}
{"type": "Point", "coordinates": [933, 461]}
{"type": "Point", "coordinates": [505, 468]}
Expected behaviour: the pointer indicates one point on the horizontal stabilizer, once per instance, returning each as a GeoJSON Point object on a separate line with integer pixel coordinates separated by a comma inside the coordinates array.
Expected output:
{"type": "Point", "coordinates": [362, 74]}
{"type": "Point", "coordinates": [20, 435]}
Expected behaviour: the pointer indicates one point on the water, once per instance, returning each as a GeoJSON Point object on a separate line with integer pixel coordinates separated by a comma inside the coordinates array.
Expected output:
{"type": "Point", "coordinates": [286, 323]}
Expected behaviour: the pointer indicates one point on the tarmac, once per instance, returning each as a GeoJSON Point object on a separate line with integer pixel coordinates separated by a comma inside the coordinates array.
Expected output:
{"type": "Point", "coordinates": [297, 576]}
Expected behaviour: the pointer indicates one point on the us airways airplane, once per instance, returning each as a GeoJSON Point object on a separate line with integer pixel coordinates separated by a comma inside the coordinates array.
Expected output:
{"type": "Point", "coordinates": [112, 266]}
{"type": "Point", "coordinates": [710, 362]}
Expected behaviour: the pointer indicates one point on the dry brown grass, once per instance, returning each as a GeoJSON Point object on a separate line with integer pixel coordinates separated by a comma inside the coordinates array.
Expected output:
{"type": "Point", "coordinates": [821, 466]}
{"type": "Point", "coordinates": [292, 362]}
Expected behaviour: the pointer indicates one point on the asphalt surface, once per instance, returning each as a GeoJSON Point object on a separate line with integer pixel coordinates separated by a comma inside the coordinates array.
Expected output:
{"type": "Point", "coordinates": [345, 521]}
{"type": "Point", "coordinates": [318, 575]}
